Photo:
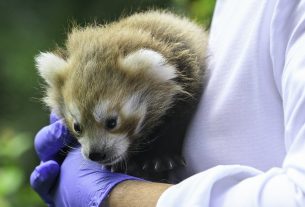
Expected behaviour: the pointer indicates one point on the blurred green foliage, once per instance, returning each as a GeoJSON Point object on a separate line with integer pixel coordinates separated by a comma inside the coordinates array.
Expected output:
{"type": "Point", "coordinates": [30, 26]}
{"type": "Point", "coordinates": [199, 10]}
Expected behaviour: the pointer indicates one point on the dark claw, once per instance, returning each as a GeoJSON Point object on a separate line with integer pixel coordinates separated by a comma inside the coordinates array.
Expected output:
{"type": "Point", "coordinates": [159, 165]}
{"type": "Point", "coordinates": [171, 164]}
{"type": "Point", "coordinates": [179, 160]}
{"type": "Point", "coordinates": [113, 168]}
{"type": "Point", "coordinates": [146, 166]}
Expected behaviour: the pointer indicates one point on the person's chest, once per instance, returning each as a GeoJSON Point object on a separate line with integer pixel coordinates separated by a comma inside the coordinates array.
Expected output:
{"type": "Point", "coordinates": [240, 117]}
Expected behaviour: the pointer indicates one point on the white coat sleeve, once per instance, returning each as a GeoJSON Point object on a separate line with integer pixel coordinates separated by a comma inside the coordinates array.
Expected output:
{"type": "Point", "coordinates": [241, 186]}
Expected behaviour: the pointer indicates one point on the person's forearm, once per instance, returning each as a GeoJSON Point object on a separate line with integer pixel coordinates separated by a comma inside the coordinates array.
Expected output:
{"type": "Point", "coordinates": [136, 194]}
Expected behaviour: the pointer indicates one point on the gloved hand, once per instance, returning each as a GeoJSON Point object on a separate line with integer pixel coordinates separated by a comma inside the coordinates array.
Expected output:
{"type": "Point", "coordinates": [48, 143]}
{"type": "Point", "coordinates": [80, 183]}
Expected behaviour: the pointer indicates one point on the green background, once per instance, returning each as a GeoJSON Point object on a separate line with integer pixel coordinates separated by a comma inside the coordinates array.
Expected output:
{"type": "Point", "coordinates": [26, 28]}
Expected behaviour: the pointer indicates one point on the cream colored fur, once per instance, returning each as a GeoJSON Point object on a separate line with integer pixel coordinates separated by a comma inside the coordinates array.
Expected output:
{"type": "Point", "coordinates": [150, 62]}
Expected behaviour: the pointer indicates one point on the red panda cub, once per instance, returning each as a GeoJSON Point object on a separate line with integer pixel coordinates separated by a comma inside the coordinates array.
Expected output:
{"type": "Point", "coordinates": [127, 90]}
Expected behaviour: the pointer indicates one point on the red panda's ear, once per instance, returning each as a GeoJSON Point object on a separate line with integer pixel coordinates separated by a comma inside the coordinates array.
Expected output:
{"type": "Point", "coordinates": [151, 62]}
{"type": "Point", "coordinates": [50, 67]}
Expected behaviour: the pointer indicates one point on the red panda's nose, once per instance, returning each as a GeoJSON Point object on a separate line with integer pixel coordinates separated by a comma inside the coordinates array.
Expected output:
{"type": "Point", "coordinates": [97, 156]}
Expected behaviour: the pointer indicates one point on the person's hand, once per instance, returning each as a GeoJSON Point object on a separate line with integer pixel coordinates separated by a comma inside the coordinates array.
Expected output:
{"type": "Point", "coordinates": [48, 143]}
{"type": "Point", "coordinates": [80, 183]}
{"type": "Point", "coordinates": [83, 182]}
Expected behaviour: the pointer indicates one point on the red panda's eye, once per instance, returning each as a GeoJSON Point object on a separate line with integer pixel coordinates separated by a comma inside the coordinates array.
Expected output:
{"type": "Point", "coordinates": [77, 128]}
{"type": "Point", "coordinates": [111, 123]}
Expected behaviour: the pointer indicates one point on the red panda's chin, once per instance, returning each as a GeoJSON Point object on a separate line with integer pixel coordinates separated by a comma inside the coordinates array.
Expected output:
{"type": "Point", "coordinates": [112, 160]}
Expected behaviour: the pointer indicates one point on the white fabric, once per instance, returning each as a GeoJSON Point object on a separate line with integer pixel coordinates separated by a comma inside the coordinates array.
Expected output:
{"type": "Point", "coordinates": [247, 140]}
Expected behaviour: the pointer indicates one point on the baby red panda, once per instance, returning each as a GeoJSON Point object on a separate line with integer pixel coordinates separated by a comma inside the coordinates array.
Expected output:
{"type": "Point", "coordinates": [127, 90]}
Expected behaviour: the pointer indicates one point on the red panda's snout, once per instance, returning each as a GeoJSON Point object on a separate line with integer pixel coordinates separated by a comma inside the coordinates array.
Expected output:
{"type": "Point", "coordinates": [105, 150]}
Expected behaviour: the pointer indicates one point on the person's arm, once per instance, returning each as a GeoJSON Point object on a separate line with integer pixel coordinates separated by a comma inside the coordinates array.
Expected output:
{"type": "Point", "coordinates": [136, 194]}
{"type": "Point", "coordinates": [235, 185]}
{"type": "Point", "coordinates": [239, 186]}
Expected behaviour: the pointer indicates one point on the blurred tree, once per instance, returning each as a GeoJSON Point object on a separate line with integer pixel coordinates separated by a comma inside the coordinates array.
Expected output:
{"type": "Point", "coordinates": [30, 26]}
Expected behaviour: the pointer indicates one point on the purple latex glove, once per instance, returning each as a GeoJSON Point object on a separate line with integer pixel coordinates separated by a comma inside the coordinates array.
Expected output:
{"type": "Point", "coordinates": [80, 183]}
{"type": "Point", "coordinates": [51, 139]}
{"type": "Point", "coordinates": [48, 142]}
{"type": "Point", "coordinates": [84, 183]}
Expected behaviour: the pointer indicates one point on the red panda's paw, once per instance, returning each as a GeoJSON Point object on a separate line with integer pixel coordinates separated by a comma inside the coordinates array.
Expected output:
{"type": "Point", "coordinates": [163, 164]}
{"type": "Point", "coordinates": [155, 169]}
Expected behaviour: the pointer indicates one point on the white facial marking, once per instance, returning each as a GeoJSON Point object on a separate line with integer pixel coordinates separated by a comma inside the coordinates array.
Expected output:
{"type": "Point", "coordinates": [100, 110]}
{"type": "Point", "coordinates": [142, 112]}
{"type": "Point", "coordinates": [75, 113]}
{"type": "Point", "coordinates": [119, 143]}
{"type": "Point", "coordinates": [133, 107]}
{"type": "Point", "coordinates": [85, 147]}
{"type": "Point", "coordinates": [131, 104]}
{"type": "Point", "coordinates": [152, 62]}
{"type": "Point", "coordinates": [49, 66]}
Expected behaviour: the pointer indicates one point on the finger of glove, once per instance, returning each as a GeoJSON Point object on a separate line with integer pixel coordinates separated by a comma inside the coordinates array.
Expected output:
{"type": "Point", "coordinates": [43, 179]}
{"type": "Point", "coordinates": [53, 117]}
{"type": "Point", "coordinates": [50, 139]}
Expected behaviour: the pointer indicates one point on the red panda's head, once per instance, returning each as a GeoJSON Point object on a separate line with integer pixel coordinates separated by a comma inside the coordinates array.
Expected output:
{"type": "Point", "coordinates": [108, 100]}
